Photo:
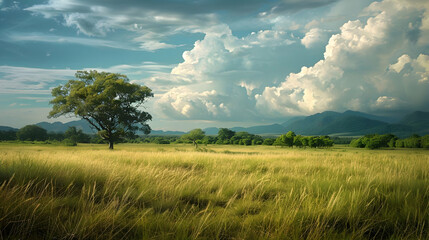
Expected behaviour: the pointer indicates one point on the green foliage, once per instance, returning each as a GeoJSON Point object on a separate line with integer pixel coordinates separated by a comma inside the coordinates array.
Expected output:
{"type": "Point", "coordinates": [375, 141]}
{"type": "Point", "coordinates": [194, 135]}
{"type": "Point", "coordinates": [225, 134]}
{"type": "Point", "coordinates": [412, 142]}
{"type": "Point", "coordinates": [32, 133]}
{"type": "Point", "coordinates": [108, 101]}
{"type": "Point", "coordinates": [7, 135]}
{"type": "Point", "coordinates": [424, 141]}
{"type": "Point", "coordinates": [76, 135]}
{"type": "Point", "coordinates": [291, 139]}
{"type": "Point", "coordinates": [268, 141]}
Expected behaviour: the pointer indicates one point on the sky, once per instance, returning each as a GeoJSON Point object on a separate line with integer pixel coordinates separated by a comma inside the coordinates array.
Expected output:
{"type": "Point", "coordinates": [220, 63]}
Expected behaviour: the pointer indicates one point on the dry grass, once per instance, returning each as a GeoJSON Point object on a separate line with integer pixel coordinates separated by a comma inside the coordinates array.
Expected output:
{"type": "Point", "coordinates": [219, 192]}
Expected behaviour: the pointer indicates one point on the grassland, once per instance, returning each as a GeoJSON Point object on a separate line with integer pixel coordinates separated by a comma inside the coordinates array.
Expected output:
{"type": "Point", "coordinates": [219, 192]}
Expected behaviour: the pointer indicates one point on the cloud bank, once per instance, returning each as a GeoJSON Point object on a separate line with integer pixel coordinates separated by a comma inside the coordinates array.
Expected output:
{"type": "Point", "coordinates": [378, 63]}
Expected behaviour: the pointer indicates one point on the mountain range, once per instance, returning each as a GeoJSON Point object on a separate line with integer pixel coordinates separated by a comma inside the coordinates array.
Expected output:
{"type": "Point", "coordinates": [348, 123]}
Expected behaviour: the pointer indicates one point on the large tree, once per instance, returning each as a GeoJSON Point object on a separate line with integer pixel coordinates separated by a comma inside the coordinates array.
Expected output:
{"type": "Point", "coordinates": [107, 101]}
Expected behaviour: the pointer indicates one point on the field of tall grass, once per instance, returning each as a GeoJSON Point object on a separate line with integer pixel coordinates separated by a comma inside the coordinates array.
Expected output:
{"type": "Point", "coordinates": [146, 191]}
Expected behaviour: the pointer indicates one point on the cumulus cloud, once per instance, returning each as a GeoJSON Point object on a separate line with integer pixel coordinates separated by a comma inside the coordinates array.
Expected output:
{"type": "Point", "coordinates": [353, 73]}
{"type": "Point", "coordinates": [314, 37]}
{"type": "Point", "coordinates": [231, 69]}
{"type": "Point", "coordinates": [389, 103]}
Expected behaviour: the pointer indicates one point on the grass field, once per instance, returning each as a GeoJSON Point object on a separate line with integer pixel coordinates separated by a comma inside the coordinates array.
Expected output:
{"type": "Point", "coordinates": [219, 192]}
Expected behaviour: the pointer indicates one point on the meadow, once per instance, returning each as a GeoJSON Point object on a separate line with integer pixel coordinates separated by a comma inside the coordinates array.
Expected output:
{"type": "Point", "coordinates": [148, 191]}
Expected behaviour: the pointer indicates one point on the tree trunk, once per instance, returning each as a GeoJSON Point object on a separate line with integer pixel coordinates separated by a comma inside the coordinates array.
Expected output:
{"type": "Point", "coordinates": [111, 145]}
{"type": "Point", "coordinates": [195, 143]}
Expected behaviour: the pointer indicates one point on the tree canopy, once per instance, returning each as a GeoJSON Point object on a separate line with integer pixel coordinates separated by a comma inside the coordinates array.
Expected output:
{"type": "Point", "coordinates": [32, 133]}
{"type": "Point", "coordinates": [108, 101]}
{"type": "Point", "coordinates": [194, 135]}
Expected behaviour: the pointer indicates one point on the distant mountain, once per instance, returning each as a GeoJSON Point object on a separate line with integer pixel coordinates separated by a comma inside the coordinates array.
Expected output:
{"type": "Point", "coordinates": [370, 116]}
{"type": "Point", "coordinates": [348, 123]}
{"type": "Point", "coordinates": [62, 127]}
{"type": "Point", "coordinates": [263, 129]}
{"type": "Point", "coordinates": [352, 123]}
{"type": "Point", "coordinates": [5, 128]}
{"type": "Point", "coordinates": [418, 120]}
{"type": "Point", "coordinates": [291, 120]}
{"type": "Point", "coordinates": [86, 128]}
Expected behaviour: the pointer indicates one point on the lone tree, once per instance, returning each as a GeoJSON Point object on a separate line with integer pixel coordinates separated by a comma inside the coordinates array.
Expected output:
{"type": "Point", "coordinates": [107, 101]}
{"type": "Point", "coordinates": [194, 135]}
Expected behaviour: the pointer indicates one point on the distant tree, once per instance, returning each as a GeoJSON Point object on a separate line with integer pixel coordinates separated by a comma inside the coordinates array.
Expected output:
{"type": "Point", "coordinates": [412, 141]}
{"type": "Point", "coordinates": [225, 134]}
{"type": "Point", "coordinates": [194, 135]}
{"type": "Point", "coordinates": [289, 138]}
{"type": "Point", "coordinates": [56, 136]}
{"type": "Point", "coordinates": [399, 143]}
{"type": "Point", "coordinates": [7, 135]}
{"type": "Point", "coordinates": [327, 141]}
{"type": "Point", "coordinates": [76, 135]}
{"type": "Point", "coordinates": [32, 133]}
{"type": "Point", "coordinates": [208, 140]}
{"type": "Point", "coordinates": [304, 141]}
{"type": "Point", "coordinates": [268, 141]}
{"type": "Point", "coordinates": [285, 139]}
{"type": "Point", "coordinates": [107, 101]}
{"type": "Point", "coordinates": [424, 141]}
{"type": "Point", "coordinates": [297, 141]}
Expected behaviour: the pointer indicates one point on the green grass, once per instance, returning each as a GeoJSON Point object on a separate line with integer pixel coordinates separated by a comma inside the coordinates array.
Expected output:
{"type": "Point", "coordinates": [145, 191]}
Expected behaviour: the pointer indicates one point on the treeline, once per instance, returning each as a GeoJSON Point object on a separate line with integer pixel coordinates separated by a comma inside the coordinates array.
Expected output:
{"type": "Point", "coordinates": [374, 141]}
{"type": "Point", "coordinates": [228, 137]}
{"type": "Point", "coordinates": [290, 139]}
{"type": "Point", "coordinates": [225, 137]}
{"type": "Point", "coordinates": [35, 133]}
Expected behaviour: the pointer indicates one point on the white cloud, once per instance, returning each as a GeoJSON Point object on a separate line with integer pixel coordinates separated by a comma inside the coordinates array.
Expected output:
{"type": "Point", "coordinates": [231, 69]}
{"type": "Point", "coordinates": [152, 21]}
{"type": "Point", "coordinates": [21, 116]}
{"type": "Point", "coordinates": [353, 73]}
{"type": "Point", "coordinates": [402, 61]}
{"type": "Point", "coordinates": [389, 103]}
{"type": "Point", "coordinates": [314, 37]}
{"type": "Point", "coordinates": [23, 80]}
{"type": "Point", "coordinates": [40, 37]}
{"type": "Point", "coordinates": [12, 7]}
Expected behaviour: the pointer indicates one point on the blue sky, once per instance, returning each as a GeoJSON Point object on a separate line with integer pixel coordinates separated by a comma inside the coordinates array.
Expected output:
{"type": "Point", "coordinates": [220, 63]}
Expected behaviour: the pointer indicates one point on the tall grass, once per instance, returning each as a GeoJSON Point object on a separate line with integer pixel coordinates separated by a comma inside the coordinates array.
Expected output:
{"type": "Point", "coordinates": [218, 192]}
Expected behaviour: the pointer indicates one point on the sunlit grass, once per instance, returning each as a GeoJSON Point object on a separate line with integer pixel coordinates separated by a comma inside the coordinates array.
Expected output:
{"type": "Point", "coordinates": [145, 191]}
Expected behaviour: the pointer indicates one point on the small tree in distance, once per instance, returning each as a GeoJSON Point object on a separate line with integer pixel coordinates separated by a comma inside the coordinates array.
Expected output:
{"type": "Point", "coordinates": [107, 101]}
{"type": "Point", "coordinates": [32, 133]}
{"type": "Point", "coordinates": [194, 135]}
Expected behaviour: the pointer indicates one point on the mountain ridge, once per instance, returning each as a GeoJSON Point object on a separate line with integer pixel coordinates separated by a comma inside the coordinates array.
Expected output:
{"type": "Point", "coordinates": [348, 123]}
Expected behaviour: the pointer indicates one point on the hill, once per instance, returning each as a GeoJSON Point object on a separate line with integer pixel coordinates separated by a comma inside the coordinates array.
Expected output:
{"type": "Point", "coordinates": [62, 127]}
{"type": "Point", "coordinates": [348, 123]}
{"type": "Point", "coordinates": [418, 120]}
{"type": "Point", "coordinates": [352, 123]}
{"type": "Point", "coordinates": [6, 128]}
